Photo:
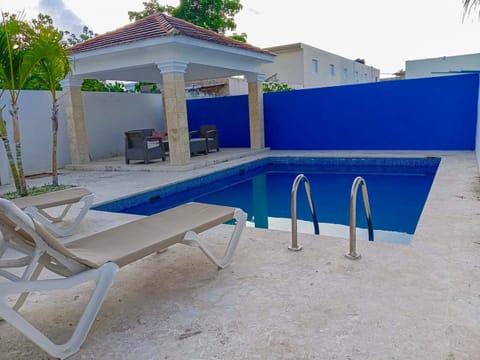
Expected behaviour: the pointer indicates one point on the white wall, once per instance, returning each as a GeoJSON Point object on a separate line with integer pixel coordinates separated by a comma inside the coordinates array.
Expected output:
{"type": "Point", "coordinates": [237, 86]}
{"type": "Point", "coordinates": [107, 116]}
{"type": "Point", "coordinates": [35, 133]}
{"type": "Point", "coordinates": [442, 66]}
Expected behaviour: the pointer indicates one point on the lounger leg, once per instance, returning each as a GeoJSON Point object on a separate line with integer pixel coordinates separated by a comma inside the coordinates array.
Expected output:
{"type": "Point", "coordinates": [192, 239]}
{"type": "Point", "coordinates": [55, 219]}
{"type": "Point", "coordinates": [46, 220]}
{"type": "Point", "coordinates": [23, 296]}
{"type": "Point", "coordinates": [103, 277]}
{"type": "Point", "coordinates": [33, 270]}
{"type": "Point", "coordinates": [19, 262]}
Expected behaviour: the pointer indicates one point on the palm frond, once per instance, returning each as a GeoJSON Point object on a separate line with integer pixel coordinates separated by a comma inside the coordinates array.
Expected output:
{"type": "Point", "coordinates": [469, 6]}
{"type": "Point", "coordinates": [52, 65]}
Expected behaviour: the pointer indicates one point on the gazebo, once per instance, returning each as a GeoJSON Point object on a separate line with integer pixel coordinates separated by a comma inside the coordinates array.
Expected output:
{"type": "Point", "coordinates": [166, 50]}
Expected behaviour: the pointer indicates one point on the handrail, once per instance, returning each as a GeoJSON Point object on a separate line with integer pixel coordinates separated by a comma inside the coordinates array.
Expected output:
{"type": "Point", "coordinates": [352, 254]}
{"type": "Point", "coordinates": [296, 182]}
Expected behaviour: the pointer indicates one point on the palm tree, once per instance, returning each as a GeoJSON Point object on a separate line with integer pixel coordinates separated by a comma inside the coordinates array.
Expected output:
{"type": "Point", "coordinates": [6, 144]}
{"type": "Point", "coordinates": [53, 66]}
{"type": "Point", "coordinates": [17, 63]}
{"type": "Point", "coordinates": [469, 5]}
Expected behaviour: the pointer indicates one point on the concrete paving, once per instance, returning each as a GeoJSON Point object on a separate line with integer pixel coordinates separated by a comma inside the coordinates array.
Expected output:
{"type": "Point", "coordinates": [417, 301]}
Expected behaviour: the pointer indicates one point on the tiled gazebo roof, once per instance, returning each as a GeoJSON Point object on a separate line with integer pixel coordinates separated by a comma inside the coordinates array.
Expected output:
{"type": "Point", "coordinates": [159, 25]}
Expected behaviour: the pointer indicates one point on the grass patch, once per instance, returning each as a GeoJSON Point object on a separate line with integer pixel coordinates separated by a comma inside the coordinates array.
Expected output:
{"type": "Point", "coordinates": [37, 190]}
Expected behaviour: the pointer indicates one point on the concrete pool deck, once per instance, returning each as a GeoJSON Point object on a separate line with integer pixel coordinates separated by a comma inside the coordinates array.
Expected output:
{"type": "Point", "coordinates": [417, 301]}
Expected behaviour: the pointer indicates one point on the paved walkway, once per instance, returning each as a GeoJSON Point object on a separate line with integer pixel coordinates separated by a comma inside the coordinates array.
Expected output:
{"type": "Point", "coordinates": [417, 301]}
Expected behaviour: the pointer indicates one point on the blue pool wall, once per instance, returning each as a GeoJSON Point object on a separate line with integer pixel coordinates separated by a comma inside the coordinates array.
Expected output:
{"type": "Point", "coordinates": [420, 114]}
{"type": "Point", "coordinates": [219, 179]}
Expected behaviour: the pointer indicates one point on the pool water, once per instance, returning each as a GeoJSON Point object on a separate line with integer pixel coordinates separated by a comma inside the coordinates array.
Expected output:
{"type": "Point", "coordinates": [397, 191]}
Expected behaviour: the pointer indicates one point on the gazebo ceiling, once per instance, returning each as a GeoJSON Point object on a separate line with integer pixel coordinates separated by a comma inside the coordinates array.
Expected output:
{"type": "Point", "coordinates": [132, 52]}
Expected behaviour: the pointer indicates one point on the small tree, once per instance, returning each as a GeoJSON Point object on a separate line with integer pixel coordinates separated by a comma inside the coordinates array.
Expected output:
{"type": "Point", "coordinates": [53, 66]}
{"type": "Point", "coordinates": [73, 39]}
{"type": "Point", "coordinates": [239, 37]}
{"type": "Point", "coordinates": [93, 85]}
{"type": "Point", "coordinates": [216, 15]}
{"type": "Point", "coordinates": [17, 62]}
{"type": "Point", "coordinates": [150, 7]}
{"type": "Point", "coordinates": [275, 86]}
{"type": "Point", "coordinates": [152, 87]}
{"type": "Point", "coordinates": [115, 87]}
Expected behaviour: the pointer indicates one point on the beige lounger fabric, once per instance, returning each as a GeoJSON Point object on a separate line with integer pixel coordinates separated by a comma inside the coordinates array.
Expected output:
{"type": "Point", "coordinates": [52, 199]}
{"type": "Point", "coordinates": [132, 241]}
{"type": "Point", "coordinates": [135, 240]}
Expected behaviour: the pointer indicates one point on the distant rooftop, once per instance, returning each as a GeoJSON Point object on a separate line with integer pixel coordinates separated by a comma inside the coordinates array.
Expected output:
{"type": "Point", "coordinates": [155, 26]}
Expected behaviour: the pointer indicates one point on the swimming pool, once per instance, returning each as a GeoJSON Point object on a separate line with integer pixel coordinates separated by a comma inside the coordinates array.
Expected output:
{"type": "Point", "coordinates": [398, 188]}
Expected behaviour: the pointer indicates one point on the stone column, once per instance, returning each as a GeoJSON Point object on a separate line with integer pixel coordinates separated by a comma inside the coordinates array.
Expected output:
{"type": "Point", "coordinates": [174, 100]}
{"type": "Point", "coordinates": [72, 103]}
{"type": "Point", "coordinates": [255, 108]}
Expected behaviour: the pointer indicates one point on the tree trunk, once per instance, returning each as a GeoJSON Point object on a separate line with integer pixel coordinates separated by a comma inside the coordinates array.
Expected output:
{"type": "Point", "coordinates": [8, 150]}
{"type": "Point", "coordinates": [22, 186]}
{"type": "Point", "coordinates": [54, 141]}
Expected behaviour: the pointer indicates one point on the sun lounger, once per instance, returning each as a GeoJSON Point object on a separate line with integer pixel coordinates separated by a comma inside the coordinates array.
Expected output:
{"type": "Point", "coordinates": [36, 207]}
{"type": "Point", "coordinates": [95, 258]}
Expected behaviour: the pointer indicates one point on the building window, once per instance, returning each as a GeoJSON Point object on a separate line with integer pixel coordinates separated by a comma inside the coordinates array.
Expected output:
{"type": "Point", "coordinates": [332, 70]}
{"type": "Point", "coordinates": [345, 74]}
{"type": "Point", "coordinates": [356, 76]}
{"type": "Point", "coordinates": [315, 66]}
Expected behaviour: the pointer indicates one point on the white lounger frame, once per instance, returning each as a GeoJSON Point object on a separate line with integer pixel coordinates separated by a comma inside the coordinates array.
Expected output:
{"type": "Point", "coordinates": [102, 276]}
{"type": "Point", "coordinates": [49, 221]}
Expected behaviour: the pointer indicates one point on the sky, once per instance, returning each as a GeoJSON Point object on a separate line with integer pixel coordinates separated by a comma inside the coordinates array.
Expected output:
{"type": "Point", "coordinates": [385, 33]}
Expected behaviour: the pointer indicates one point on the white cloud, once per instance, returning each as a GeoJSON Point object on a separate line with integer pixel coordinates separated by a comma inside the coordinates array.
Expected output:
{"type": "Point", "coordinates": [63, 17]}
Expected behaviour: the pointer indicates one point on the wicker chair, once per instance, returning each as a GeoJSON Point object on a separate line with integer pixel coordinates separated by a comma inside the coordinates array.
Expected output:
{"type": "Point", "coordinates": [141, 145]}
{"type": "Point", "coordinates": [210, 134]}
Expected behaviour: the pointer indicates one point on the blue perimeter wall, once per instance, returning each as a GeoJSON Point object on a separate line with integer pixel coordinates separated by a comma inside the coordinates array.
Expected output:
{"type": "Point", "coordinates": [420, 114]}
{"type": "Point", "coordinates": [229, 113]}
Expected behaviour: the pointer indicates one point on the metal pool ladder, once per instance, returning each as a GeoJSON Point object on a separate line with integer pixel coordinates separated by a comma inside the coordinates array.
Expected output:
{"type": "Point", "coordinates": [295, 246]}
{"type": "Point", "coordinates": [352, 254]}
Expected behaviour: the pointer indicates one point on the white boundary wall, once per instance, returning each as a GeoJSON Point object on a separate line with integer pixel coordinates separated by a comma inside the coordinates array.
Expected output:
{"type": "Point", "coordinates": [107, 116]}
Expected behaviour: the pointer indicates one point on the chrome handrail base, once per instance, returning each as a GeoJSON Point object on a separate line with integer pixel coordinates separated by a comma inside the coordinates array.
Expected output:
{"type": "Point", "coordinates": [353, 256]}
{"type": "Point", "coordinates": [297, 248]}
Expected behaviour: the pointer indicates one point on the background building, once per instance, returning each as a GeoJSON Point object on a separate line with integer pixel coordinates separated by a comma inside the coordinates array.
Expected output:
{"type": "Point", "coordinates": [298, 65]}
{"type": "Point", "coordinates": [442, 66]}
{"type": "Point", "coordinates": [304, 66]}
{"type": "Point", "coordinates": [217, 87]}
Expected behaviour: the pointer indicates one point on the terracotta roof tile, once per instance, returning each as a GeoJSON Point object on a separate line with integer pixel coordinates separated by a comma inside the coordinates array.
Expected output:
{"type": "Point", "coordinates": [159, 25]}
